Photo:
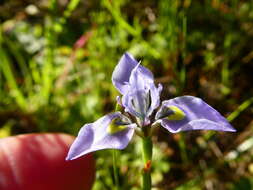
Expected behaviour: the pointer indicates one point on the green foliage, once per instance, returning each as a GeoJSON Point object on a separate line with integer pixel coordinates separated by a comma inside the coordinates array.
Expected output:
{"type": "Point", "coordinates": [130, 165]}
{"type": "Point", "coordinates": [56, 61]}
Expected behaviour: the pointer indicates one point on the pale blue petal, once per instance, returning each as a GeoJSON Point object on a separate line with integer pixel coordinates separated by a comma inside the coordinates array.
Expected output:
{"type": "Point", "coordinates": [122, 72]}
{"type": "Point", "coordinates": [94, 136]}
{"type": "Point", "coordinates": [198, 116]}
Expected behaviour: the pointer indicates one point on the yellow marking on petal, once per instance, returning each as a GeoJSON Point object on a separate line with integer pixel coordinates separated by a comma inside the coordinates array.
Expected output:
{"type": "Point", "coordinates": [177, 115]}
{"type": "Point", "coordinates": [114, 128]}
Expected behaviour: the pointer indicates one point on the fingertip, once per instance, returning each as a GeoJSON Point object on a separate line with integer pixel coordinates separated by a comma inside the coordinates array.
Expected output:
{"type": "Point", "coordinates": [37, 161]}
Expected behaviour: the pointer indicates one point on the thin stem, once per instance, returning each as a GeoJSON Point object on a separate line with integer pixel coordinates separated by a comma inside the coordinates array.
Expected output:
{"type": "Point", "coordinates": [182, 146]}
{"type": "Point", "coordinates": [115, 169]}
{"type": "Point", "coordinates": [5, 68]}
{"type": "Point", "coordinates": [240, 109]}
{"type": "Point", "coordinates": [114, 162]}
{"type": "Point", "coordinates": [147, 147]}
{"type": "Point", "coordinates": [50, 42]}
{"type": "Point", "coordinates": [146, 181]}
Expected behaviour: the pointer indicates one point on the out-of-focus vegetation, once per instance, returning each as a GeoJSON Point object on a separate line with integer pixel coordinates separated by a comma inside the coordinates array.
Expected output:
{"type": "Point", "coordinates": [56, 60]}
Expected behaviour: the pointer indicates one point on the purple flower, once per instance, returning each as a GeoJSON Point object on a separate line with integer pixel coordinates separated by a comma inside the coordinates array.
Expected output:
{"type": "Point", "coordinates": [140, 98]}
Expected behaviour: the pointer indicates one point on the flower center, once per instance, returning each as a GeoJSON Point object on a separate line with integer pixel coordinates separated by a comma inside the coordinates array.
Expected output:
{"type": "Point", "coordinates": [141, 103]}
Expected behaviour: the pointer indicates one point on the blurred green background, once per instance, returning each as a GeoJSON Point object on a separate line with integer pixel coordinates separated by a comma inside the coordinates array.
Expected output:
{"type": "Point", "coordinates": [56, 60]}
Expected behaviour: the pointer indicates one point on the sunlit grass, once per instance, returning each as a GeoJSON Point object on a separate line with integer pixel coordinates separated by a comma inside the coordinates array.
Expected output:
{"type": "Point", "coordinates": [197, 48]}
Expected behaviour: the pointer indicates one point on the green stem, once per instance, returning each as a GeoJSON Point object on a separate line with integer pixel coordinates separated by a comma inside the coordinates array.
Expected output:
{"type": "Point", "coordinates": [182, 147]}
{"type": "Point", "coordinates": [147, 147]}
{"type": "Point", "coordinates": [240, 109]}
{"type": "Point", "coordinates": [115, 169]}
{"type": "Point", "coordinates": [50, 42]}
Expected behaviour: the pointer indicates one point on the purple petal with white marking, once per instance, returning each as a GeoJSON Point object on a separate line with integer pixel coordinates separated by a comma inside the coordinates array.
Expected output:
{"type": "Point", "coordinates": [122, 72]}
{"type": "Point", "coordinates": [143, 96]}
{"type": "Point", "coordinates": [128, 101]}
{"type": "Point", "coordinates": [140, 78]}
{"type": "Point", "coordinates": [94, 136]}
{"type": "Point", "coordinates": [142, 103]}
{"type": "Point", "coordinates": [198, 116]}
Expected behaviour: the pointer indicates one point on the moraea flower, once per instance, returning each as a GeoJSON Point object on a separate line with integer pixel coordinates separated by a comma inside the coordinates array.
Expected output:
{"type": "Point", "coordinates": [140, 99]}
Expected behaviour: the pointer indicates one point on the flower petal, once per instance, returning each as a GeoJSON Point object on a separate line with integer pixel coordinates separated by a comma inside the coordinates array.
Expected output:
{"type": "Point", "coordinates": [95, 136]}
{"type": "Point", "coordinates": [155, 97]}
{"type": "Point", "coordinates": [140, 78]}
{"type": "Point", "coordinates": [131, 101]}
{"type": "Point", "coordinates": [143, 97]}
{"type": "Point", "coordinates": [122, 72]}
{"type": "Point", "coordinates": [194, 114]}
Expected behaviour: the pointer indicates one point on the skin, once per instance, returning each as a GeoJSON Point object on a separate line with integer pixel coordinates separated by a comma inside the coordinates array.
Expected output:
{"type": "Point", "coordinates": [37, 161]}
